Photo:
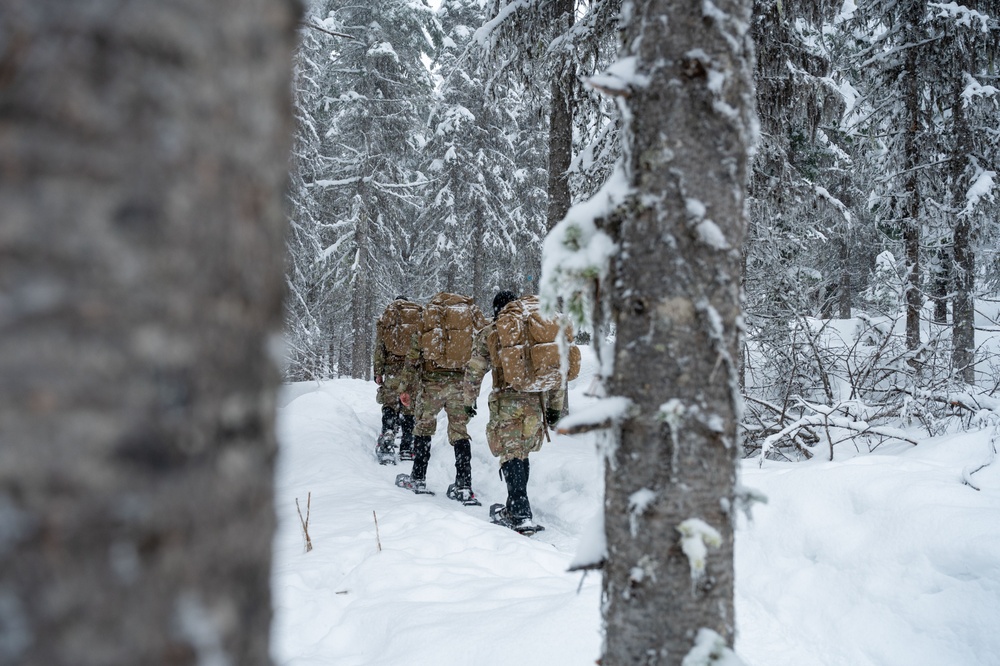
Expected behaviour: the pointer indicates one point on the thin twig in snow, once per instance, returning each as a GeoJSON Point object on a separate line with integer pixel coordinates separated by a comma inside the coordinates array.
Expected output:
{"type": "Point", "coordinates": [305, 523]}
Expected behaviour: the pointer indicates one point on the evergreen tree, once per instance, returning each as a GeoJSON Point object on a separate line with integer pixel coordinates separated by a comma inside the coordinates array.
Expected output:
{"type": "Point", "coordinates": [315, 279]}
{"type": "Point", "coordinates": [551, 48]}
{"type": "Point", "coordinates": [376, 98]}
{"type": "Point", "coordinates": [473, 206]}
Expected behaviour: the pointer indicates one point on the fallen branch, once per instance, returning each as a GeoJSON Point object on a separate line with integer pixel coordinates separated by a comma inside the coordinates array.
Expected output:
{"type": "Point", "coordinates": [588, 566]}
{"type": "Point", "coordinates": [305, 523]}
{"type": "Point", "coordinates": [329, 32]}
{"type": "Point", "coordinates": [584, 427]}
{"type": "Point", "coordinates": [826, 417]}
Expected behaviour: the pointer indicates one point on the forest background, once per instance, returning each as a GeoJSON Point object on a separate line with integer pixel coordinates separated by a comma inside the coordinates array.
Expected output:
{"type": "Point", "coordinates": [436, 148]}
{"type": "Point", "coordinates": [144, 164]}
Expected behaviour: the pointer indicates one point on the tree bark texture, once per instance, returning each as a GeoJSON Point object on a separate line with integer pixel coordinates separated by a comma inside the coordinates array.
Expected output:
{"type": "Point", "coordinates": [361, 296]}
{"type": "Point", "coordinates": [845, 290]}
{"type": "Point", "coordinates": [676, 303]}
{"type": "Point", "coordinates": [963, 309]}
{"type": "Point", "coordinates": [911, 149]}
{"type": "Point", "coordinates": [143, 155]}
{"type": "Point", "coordinates": [560, 123]}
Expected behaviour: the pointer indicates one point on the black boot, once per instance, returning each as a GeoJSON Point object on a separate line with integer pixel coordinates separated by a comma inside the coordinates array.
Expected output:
{"type": "Point", "coordinates": [415, 480]}
{"type": "Point", "coordinates": [461, 490]}
{"type": "Point", "coordinates": [385, 447]}
{"type": "Point", "coordinates": [463, 463]}
{"type": "Point", "coordinates": [406, 440]}
{"type": "Point", "coordinates": [389, 419]}
{"type": "Point", "coordinates": [515, 472]}
{"type": "Point", "coordinates": [516, 514]}
{"type": "Point", "coordinates": [421, 456]}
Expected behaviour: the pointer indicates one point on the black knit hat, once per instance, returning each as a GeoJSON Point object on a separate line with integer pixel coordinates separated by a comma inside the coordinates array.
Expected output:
{"type": "Point", "coordinates": [502, 299]}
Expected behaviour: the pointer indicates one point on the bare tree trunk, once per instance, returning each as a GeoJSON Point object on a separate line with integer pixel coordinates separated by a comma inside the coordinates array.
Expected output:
{"type": "Point", "coordinates": [478, 259]}
{"type": "Point", "coordinates": [846, 288]}
{"type": "Point", "coordinates": [145, 153]}
{"type": "Point", "coordinates": [911, 228]}
{"type": "Point", "coordinates": [560, 124]}
{"type": "Point", "coordinates": [676, 303]}
{"type": "Point", "coordinates": [361, 357]}
{"type": "Point", "coordinates": [941, 284]}
{"type": "Point", "coordinates": [963, 312]}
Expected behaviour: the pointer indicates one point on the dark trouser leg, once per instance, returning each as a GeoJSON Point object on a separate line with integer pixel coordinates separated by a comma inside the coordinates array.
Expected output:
{"type": "Point", "coordinates": [515, 473]}
{"type": "Point", "coordinates": [463, 463]}
{"type": "Point", "coordinates": [421, 456]}
{"type": "Point", "coordinates": [389, 417]}
{"type": "Point", "coordinates": [406, 441]}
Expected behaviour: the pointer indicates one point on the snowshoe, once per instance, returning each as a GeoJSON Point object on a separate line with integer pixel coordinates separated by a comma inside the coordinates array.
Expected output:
{"type": "Point", "coordinates": [499, 516]}
{"type": "Point", "coordinates": [406, 454]}
{"type": "Point", "coordinates": [416, 485]}
{"type": "Point", "coordinates": [463, 495]}
{"type": "Point", "coordinates": [385, 449]}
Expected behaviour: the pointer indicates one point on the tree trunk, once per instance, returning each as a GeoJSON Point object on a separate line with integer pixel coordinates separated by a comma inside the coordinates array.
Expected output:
{"type": "Point", "coordinates": [560, 124]}
{"type": "Point", "coordinates": [478, 259]}
{"type": "Point", "coordinates": [361, 357]}
{"type": "Point", "coordinates": [676, 302]}
{"type": "Point", "coordinates": [941, 284]}
{"type": "Point", "coordinates": [145, 154]}
{"type": "Point", "coordinates": [911, 149]}
{"type": "Point", "coordinates": [845, 290]}
{"type": "Point", "coordinates": [963, 310]}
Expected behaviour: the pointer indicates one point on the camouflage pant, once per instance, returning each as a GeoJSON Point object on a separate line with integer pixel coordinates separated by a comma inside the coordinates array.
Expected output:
{"type": "Point", "coordinates": [516, 426]}
{"type": "Point", "coordinates": [394, 383]}
{"type": "Point", "coordinates": [441, 390]}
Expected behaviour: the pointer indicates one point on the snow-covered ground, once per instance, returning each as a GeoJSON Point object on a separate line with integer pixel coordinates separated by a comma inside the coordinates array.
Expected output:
{"type": "Point", "coordinates": [879, 559]}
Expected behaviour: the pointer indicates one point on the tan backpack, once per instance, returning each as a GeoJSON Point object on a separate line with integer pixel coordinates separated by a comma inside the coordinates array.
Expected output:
{"type": "Point", "coordinates": [449, 322]}
{"type": "Point", "coordinates": [528, 351]}
{"type": "Point", "coordinates": [398, 324]}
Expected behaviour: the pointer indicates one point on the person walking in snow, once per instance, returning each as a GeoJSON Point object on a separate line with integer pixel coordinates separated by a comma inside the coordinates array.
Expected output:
{"type": "Point", "coordinates": [517, 421]}
{"type": "Point", "coordinates": [450, 321]}
{"type": "Point", "coordinates": [397, 379]}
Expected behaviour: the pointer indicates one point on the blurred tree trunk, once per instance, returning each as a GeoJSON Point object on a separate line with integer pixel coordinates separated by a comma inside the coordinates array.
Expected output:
{"type": "Point", "coordinates": [143, 152]}
{"type": "Point", "coordinates": [676, 303]}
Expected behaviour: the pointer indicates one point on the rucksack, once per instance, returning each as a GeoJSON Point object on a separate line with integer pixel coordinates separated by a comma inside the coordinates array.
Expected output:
{"type": "Point", "coordinates": [398, 324]}
{"type": "Point", "coordinates": [449, 322]}
{"type": "Point", "coordinates": [527, 348]}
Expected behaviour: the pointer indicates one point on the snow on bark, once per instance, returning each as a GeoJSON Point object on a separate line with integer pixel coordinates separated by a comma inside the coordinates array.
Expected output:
{"type": "Point", "coordinates": [710, 649]}
{"type": "Point", "coordinates": [638, 502]}
{"type": "Point", "coordinates": [697, 537]}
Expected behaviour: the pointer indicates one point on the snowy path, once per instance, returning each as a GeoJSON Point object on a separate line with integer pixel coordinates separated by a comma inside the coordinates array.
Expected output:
{"type": "Point", "coordinates": [447, 587]}
{"type": "Point", "coordinates": [881, 559]}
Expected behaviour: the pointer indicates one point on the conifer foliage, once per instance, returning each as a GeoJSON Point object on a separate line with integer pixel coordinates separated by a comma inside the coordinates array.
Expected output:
{"type": "Point", "coordinates": [428, 141]}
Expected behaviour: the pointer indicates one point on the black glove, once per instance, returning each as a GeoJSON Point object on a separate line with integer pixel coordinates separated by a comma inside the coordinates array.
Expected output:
{"type": "Point", "coordinates": [470, 410]}
{"type": "Point", "coordinates": [552, 416]}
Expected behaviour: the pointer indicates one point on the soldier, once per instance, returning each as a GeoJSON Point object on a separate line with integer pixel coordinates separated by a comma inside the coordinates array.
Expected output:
{"type": "Point", "coordinates": [517, 422]}
{"type": "Point", "coordinates": [397, 381]}
{"type": "Point", "coordinates": [443, 353]}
